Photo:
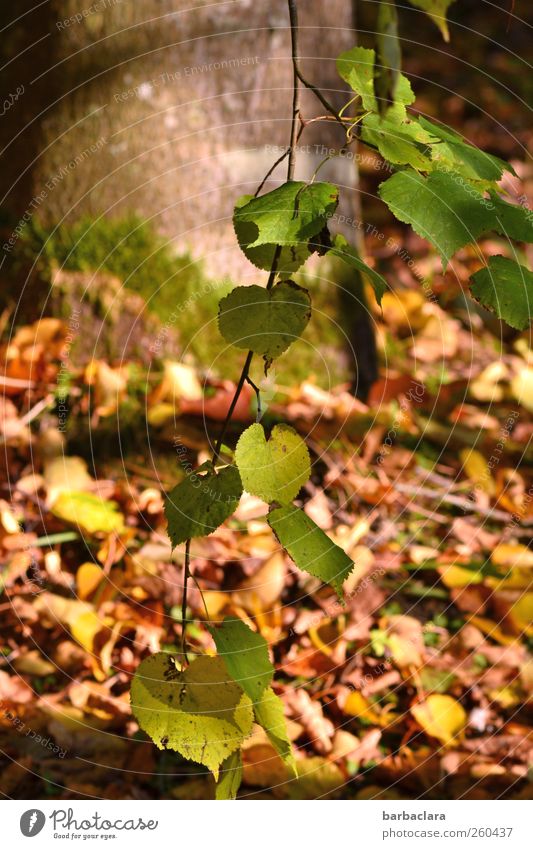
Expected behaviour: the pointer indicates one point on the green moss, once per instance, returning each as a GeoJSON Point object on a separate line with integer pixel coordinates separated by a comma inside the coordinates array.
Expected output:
{"type": "Point", "coordinates": [185, 299]}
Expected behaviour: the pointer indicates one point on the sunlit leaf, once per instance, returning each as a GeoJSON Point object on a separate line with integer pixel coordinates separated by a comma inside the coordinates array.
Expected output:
{"type": "Point", "coordinates": [245, 654]}
{"type": "Point", "coordinates": [269, 715]}
{"type": "Point", "coordinates": [88, 577]}
{"type": "Point", "coordinates": [356, 67]}
{"type": "Point", "coordinates": [442, 717]}
{"type": "Point", "coordinates": [230, 776]}
{"type": "Point", "coordinates": [310, 548]}
{"type": "Point", "coordinates": [505, 288]}
{"type": "Point", "coordinates": [477, 469]}
{"type": "Point", "coordinates": [439, 208]}
{"type": "Point", "coordinates": [436, 10]}
{"type": "Point", "coordinates": [198, 505]}
{"type": "Point", "coordinates": [89, 512]}
{"type": "Point", "coordinates": [200, 712]}
{"type": "Point", "coordinates": [395, 142]}
{"type": "Point", "coordinates": [264, 321]}
{"type": "Point", "coordinates": [288, 216]}
{"type": "Point", "coordinates": [455, 151]}
{"type": "Point", "coordinates": [274, 470]}
{"type": "Point", "coordinates": [65, 474]}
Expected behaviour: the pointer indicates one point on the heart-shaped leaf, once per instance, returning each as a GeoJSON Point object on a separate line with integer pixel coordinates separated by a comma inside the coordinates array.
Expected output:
{"type": "Point", "coordinates": [275, 470]}
{"type": "Point", "coordinates": [264, 321]}
{"type": "Point", "coordinates": [200, 712]}
{"type": "Point", "coordinates": [199, 504]}
{"type": "Point", "coordinates": [288, 217]}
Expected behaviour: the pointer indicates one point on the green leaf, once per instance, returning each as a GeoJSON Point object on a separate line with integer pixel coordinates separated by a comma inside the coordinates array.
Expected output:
{"type": "Point", "coordinates": [349, 255]}
{"type": "Point", "coordinates": [395, 141]}
{"type": "Point", "coordinates": [389, 52]}
{"type": "Point", "coordinates": [456, 152]}
{"type": "Point", "coordinates": [245, 654]}
{"type": "Point", "coordinates": [230, 777]}
{"type": "Point", "coordinates": [356, 67]}
{"type": "Point", "coordinates": [511, 220]}
{"type": "Point", "coordinates": [310, 548]}
{"type": "Point", "coordinates": [436, 10]}
{"type": "Point", "coordinates": [505, 288]}
{"type": "Point", "coordinates": [264, 321]}
{"type": "Point", "coordinates": [403, 95]}
{"type": "Point", "coordinates": [269, 715]}
{"type": "Point", "coordinates": [199, 504]}
{"type": "Point", "coordinates": [275, 470]}
{"type": "Point", "coordinates": [89, 512]}
{"type": "Point", "coordinates": [200, 712]}
{"type": "Point", "coordinates": [288, 216]}
{"type": "Point", "coordinates": [440, 208]}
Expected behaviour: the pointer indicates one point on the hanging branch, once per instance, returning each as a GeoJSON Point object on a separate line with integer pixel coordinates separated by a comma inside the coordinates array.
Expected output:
{"type": "Point", "coordinates": [293, 15]}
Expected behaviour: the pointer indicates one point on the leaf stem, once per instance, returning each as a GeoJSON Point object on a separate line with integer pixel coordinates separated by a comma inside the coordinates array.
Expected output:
{"type": "Point", "coordinates": [293, 17]}
{"type": "Point", "coordinates": [236, 396]}
{"type": "Point", "coordinates": [186, 575]}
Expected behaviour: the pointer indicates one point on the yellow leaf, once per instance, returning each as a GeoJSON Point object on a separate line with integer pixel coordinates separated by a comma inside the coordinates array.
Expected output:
{"type": "Point", "coordinates": [522, 387]}
{"type": "Point", "coordinates": [88, 577]}
{"type": "Point", "coordinates": [356, 705]}
{"type": "Point", "coordinates": [179, 381]}
{"type": "Point", "coordinates": [477, 470]}
{"type": "Point", "coordinates": [65, 474]}
{"type": "Point", "coordinates": [7, 517]}
{"type": "Point", "coordinates": [505, 696]}
{"type": "Point", "coordinates": [517, 579]}
{"type": "Point", "coordinates": [441, 717]}
{"type": "Point", "coordinates": [521, 614]}
{"type": "Point", "coordinates": [85, 628]}
{"type": "Point", "coordinates": [161, 414]}
{"type": "Point", "coordinates": [456, 576]}
{"type": "Point", "coordinates": [486, 386]}
{"type": "Point", "coordinates": [109, 385]}
{"type": "Point", "coordinates": [89, 512]}
{"type": "Point", "coordinates": [405, 310]}
{"type": "Point", "coordinates": [492, 630]}
{"type": "Point", "coordinates": [509, 555]}
{"type": "Point", "coordinates": [215, 602]}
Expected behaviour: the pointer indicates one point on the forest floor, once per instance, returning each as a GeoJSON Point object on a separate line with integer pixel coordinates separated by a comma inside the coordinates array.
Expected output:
{"type": "Point", "coordinates": [418, 687]}
{"type": "Point", "coordinates": [421, 686]}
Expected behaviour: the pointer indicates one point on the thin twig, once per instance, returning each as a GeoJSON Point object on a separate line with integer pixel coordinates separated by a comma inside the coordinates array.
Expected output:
{"type": "Point", "coordinates": [278, 161]}
{"type": "Point", "coordinates": [271, 278]}
{"type": "Point", "coordinates": [293, 16]}
{"type": "Point", "coordinates": [36, 410]}
{"type": "Point", "coordinates": [186, 574]}
{"type": "Point", "coordinates": [236, 396]}
{"type": "Point", "coordinates": [464, 503]}
{"type": "Point", "coordinates": [316, 91]}
{"type": "Point", "coordinates": [257, 391]}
